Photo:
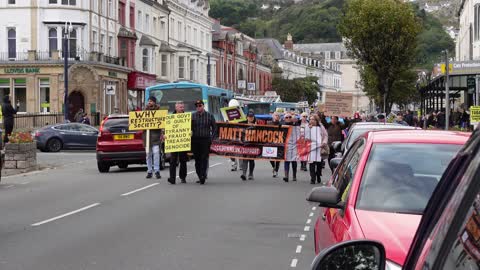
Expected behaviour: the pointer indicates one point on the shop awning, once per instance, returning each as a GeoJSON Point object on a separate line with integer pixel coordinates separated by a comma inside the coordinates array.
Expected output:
{"type": "Point", "coordinates": [123, 32]}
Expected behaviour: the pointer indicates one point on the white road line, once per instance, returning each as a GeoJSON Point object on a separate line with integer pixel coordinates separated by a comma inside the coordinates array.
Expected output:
{"type": "Point", "coordinates": [9, 186]}
{"type": "Point", "coordinates": [302, 237]}
{"type": "Point", "coordinates": [140, 189]}
{"type": "Point", "coordinates": [308, 221]}
{"type": "Point", "coordinates": [299, 249]}
{"type": "Point", "coordinates": [294, 263]}
{"type": "Point", "coordinates": [311, 215]}
{"type": "Point", "coordinates": [25, 183]}
{"type": "Point", "coordinates": [216, 164]}
{"type": "Point", "coordinates": [66, 215]}
{"type": "Point", "coordinates": [314, 208]}
{"type": "Point", "coordinates": [191, 172]}
{"type": "Point", "coordinates": [307, 228]}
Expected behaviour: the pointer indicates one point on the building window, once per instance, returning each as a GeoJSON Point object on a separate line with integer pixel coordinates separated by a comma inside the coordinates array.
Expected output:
{"type": "Point", "coordinates": [110, 8]}
{"type": "Point", "coordinates": [208, 41]}
{"type": "Point", "coordinates": [172, 27]}
{"type": "Point", "coordinates": [181, 67]}
{"type": "Point", "coordinates": [94, 41]}
{"type": "Point", "coordinates": [102, 43]}
{"type": "Point", "coordinates": [147, 23]}
{"type": "Point", "coordinates": [123, 48]}
{"type": "Point", "coordinates": [202, 39]}
{"type": "Point", "coordinates": [69, 2]}
{"type": "Point", "coordinates": [110, 46]}
{"type": "Point", "coordinates": [72, 44]}
{"type": "Point", "coordinates": [139, 20]}
{"type": "Point", "coordinates": [121, 13]}
{"type": "Point", "coordinates": [4, 88]}
{"type": "Point", "coordinates": [132, 17]}
{"type": "Point", "coordinates": [95, 5]}
{"type": "Point", "coordinates": [476, 22]}
{"type": "Point", "coordinates": [154, 26]}
{"type": "Point", "coordinates": [12, 43]}
{"type": "Point", "coordinates": [195, 37]}
{"type": "Point", "coordinates": [164, 65]}
{"type": "Point", "coordinates": [52, 41]}
{"type": "Point", "coordinates": [162, 28]}
{"type": "Point", "coordinates": [103, 7]}
{"type": "Point", "coordinates": [337, 55]}
{"type": "Point", "coordinates": [52, 1]}
{"type": "Point", "coordinates": [20, 94]}
{"type": "Point", "coordinates": [11, 2]}
{"type": "Point", "coordinates": [192, 69]}
{"type": "Point", "coordinates": [145, 59]}
{"type": "Point", "coordinates": [179, 37]}
{"type": "Point", "coordinates": [44, 95]}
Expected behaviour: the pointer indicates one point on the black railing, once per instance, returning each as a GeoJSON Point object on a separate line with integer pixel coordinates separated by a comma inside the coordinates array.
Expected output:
{"type": "Point", "coordinates": [28, 121]}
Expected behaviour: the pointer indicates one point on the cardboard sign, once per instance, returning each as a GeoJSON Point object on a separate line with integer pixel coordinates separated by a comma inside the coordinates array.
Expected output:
{"type": "Point", "coordinates": [233, 114]}
{"type": "Point", "coordinates": [475, 114]}
{"type": "Point", "coordinates": [178, 128]}
{"type": "Point", "coordinates": [144, 120]}
{"type": "Point", "coordinates": [246, 141]}
{"type": "Point", "coordinates": [338, 104]}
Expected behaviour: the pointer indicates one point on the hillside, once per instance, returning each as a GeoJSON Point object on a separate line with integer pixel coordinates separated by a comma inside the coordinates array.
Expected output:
{"type": "Point", "coordinates": [315, 21]}
{"type": "Point", "coordinates": [444, 10]}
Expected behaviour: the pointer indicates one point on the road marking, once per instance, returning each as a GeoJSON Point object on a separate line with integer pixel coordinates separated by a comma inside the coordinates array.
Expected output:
{"type": "Point", "coordinates": [314, 208]}
{"type": "Point", "coordinates": [9, 186]}
{"type": "Point", "coordinates": [25, 183]}
{"type": "Point", "coordinates": [66, 214]}
{"type": "Point", "coordinates": [140, 189]}
{"type": "Point", "coordinates": [302, 237]}
{"type": "Point", "coordinates": [294, 263]}
{"type": "Point", "coordinates": [191, 172]}
{"type": "Point", "coordinates": [307, 228]}
{"type": "Point", "coordinates": [299, 249]}
{"type": "Point", "coordinates": [216, 164]}
{"type": "Point", "coordinates": [308, 221]}
{"type": "Point", "coordinates": [311, 215]}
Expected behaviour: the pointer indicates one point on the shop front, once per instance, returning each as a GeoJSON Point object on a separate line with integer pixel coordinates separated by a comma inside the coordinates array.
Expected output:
{"type": "Point", "coordinates": [137, 83]}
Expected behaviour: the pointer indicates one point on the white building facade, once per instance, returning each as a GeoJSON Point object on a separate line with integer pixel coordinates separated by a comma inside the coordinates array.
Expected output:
{"type": "Point", "coordinates": [468, 39]}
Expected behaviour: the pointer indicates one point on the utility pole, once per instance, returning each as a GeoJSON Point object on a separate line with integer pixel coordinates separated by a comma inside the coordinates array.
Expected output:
{"type": "Point", "coordinates": [447, 91]}
{"type": "Point", "coordinates": [66, 54]}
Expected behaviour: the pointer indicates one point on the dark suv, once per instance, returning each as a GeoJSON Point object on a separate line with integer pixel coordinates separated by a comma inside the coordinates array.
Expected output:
{"type": "Point", "coordinates": [118, 146]}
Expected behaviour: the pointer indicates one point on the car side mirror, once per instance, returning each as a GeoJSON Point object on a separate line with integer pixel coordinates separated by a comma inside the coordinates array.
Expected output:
{"type": "Point", "coordinates": [337, 146]}
{"type": "Point", "coordinates": [325, 196]}
{"type": "Point", "coordinates": [334, 162]}
{"type": "Point", "coordinates": [351, 255]}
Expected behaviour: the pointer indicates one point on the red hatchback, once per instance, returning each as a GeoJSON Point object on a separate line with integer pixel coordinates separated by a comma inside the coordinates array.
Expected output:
{"type": "Point", "coordinates": [118, 146]}
{"type": "Point", "coordinates": [380, 188]}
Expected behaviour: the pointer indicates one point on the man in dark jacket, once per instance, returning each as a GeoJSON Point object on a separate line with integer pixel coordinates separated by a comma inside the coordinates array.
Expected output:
{"type": "Point", "coordinates": [203, 130]}
{"type": "Point", "coordinates": [155, 142]}
{"type": "Point", "coordinates": [334, 131]}
{"type": "Point", "coordinates": [8, 113]}
{"type": "Point", "coordinates": [178, 156]}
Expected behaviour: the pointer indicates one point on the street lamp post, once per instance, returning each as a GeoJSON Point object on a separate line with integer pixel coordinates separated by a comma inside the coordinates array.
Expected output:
{"type": "Point", "coordinates": [209, 71]}
{"type": "Point", "coordinates": [447, 92]}
{"type": "Point", "coordinates": [66, 54]}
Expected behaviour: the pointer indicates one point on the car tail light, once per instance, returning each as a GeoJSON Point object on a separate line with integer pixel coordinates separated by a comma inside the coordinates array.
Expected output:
{"type": "Point", "coordinates": [103, 134]}
{"type": "Point", "coordinates": [138, 134]}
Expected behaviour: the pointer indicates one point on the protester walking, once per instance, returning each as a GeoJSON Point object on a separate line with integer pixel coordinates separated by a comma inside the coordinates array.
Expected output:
{"type": "Point", "coordinates": [178, 157]}
{"type": "Point", "coordinates": [304, 123]}
{"type": "Point", "coordinates": [155, 140]}
{"type": "Point", "coordinates": [203, 130]}
{"type": "Point", "coordinates": [334, 131]}
{"type": "Point", "coordinates": [234, 161]}
{"type": "Point", "coordinates": [248, 163]}
{"type": "Point", "coordinates": [275, 164]}
{"type": "Point", "coordinates": [8, 113]}
{"type": "Point", "coordinates": [319, 135]}
{"type": "Point", "coordinates": [85, 119]}
{"type": "Point", "coordinates": [289, 121]}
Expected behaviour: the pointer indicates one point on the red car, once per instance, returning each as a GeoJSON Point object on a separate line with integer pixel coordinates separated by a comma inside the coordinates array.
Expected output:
{"type": "Point", "coordinates": [380, 188]}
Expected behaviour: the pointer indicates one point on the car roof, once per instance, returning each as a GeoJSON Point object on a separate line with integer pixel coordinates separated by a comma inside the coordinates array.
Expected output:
{"type": "Point", "coordinates": [373, 125]}
{"type": "Point", "coordinates": [418, 136]}
{"type": "Point", "coordinates": [117, 115]}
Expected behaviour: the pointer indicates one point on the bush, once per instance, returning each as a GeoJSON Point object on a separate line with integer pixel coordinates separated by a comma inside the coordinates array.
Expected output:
{"type": "Point", "coordinates": [20, 137]}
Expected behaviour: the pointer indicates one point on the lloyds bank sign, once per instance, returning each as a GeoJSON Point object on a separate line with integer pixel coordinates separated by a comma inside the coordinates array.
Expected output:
{"type": "Point", "coordinates": [21, 70]}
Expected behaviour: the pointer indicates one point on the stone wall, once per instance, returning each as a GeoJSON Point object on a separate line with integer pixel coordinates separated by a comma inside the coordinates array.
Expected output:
{"type": "Point", "coordinates": [20, 158]}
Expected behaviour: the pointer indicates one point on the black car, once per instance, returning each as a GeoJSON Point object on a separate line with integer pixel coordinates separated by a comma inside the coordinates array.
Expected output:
{"type": "Point", "coordinates": [448, 236]}
{"type": "Point", "coordinates": [54, 138]}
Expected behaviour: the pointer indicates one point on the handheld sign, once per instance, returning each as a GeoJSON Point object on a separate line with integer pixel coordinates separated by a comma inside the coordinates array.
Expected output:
{"type": "Point", "coordinates": [146, 120]}
{"type": "Point", "coordinates": [233, 114]}
{"type": "Point", "coordinates": [177, 132]}
{"type": "Point", "coordinates": [475, 114]}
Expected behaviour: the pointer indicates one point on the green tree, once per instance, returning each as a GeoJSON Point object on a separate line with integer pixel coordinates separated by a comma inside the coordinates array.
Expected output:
{"type": "Point", "coordinates": [299, 89]}
{"type": "Point", "coordinates": [382, 36]}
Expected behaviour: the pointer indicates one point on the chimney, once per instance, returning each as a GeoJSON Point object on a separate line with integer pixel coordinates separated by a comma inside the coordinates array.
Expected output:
{"type": "Point", "coordinates": [289, 43]}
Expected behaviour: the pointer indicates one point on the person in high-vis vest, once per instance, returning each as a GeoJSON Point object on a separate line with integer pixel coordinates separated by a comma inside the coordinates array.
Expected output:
{"type": "Point", "coordinates": [8, 113]}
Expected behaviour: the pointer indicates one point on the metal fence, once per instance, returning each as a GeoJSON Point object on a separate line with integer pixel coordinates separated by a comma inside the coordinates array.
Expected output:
{"type": "Point", "coordinates": [29, 121]}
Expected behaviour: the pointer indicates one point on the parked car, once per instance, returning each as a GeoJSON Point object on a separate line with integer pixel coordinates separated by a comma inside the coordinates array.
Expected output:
{"type": "Point", "coordinates": [119, 146]}
{"type": "Point", "coordinates": [357, 129]}
{"type": "Point", "coordinates": [449, 232]}
{"type": "Point", "coordinates": [381, 187]}
{"type": "Point", "coordinates": [54, 138]}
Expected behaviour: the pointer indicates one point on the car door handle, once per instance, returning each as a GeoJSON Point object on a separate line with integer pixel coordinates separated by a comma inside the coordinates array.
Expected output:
{"type": "Point", "coordinates": [324, 217]}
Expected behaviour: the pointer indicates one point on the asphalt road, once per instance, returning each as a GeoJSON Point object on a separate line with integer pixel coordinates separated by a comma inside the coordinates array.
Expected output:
{"type": "Point", "coordinates": [73, 217]}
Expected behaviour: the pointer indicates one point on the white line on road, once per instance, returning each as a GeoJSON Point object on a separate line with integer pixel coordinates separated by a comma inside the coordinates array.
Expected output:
{"type": "Point", "coordinates": [140, 189]}
{"type": "Point", "coordinates": [308, 221]}
{"type": "Point", "coordinates": [216, 164]}
{"type": "Point", "coordinates": [294, 263]}
{"type": "Point", "coordinates": [307, 228]}
{"type": "Point", "coordinates": [311, 215]}
{"type": "Point", "coordinates": [9, 186]}
{"type": "Point", "coordinates": [314, 208]}
{"type": "Point", "coordinates": [66, 215]}
{"type": "Point", "coordinates": [302, 237]}
{"type": "Point", "coordinates": [299, 249]}
{"type": "Point", "coordinates": [25, 183]}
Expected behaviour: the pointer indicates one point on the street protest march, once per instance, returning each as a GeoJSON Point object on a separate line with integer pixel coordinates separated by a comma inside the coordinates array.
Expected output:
{"type": "Point", "coordinates": [178, 128]}
{"type": "Point", "coordinates": [304, 144]}
{"type": "Point", "coordinates": [145, 120]}
{"type": "Point", "coordinates": [250, 141]}
{"type": "Point", "coordinates": [233, 114]}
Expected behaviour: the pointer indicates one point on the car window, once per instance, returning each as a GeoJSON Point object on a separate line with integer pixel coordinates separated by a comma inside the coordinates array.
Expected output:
{"type": "Point", "coordinates": [346, 170]}
{"type": "Point", "coordinates": [401, 177]}
{"type": "Point", "coordinates": [116, 124]}
{"type": "Point", "coordinates": [85, 128]}
{"type": "Point", "coordinates": [63, 127]}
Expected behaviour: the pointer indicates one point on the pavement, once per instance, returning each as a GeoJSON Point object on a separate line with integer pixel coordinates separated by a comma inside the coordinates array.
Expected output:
{"type": "Point", "coordinates": [72, 217]}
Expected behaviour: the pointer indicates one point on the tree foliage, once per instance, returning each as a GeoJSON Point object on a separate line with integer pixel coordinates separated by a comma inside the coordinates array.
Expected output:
{"type": "Point", "coordinates": [382, 36]}
{"type": "Point", "coordinates": [299, 89]}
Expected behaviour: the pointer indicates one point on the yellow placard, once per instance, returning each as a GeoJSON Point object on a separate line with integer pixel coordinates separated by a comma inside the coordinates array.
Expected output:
{"type": "Point", "coordinates": [475, 114]}
{"type": "Point", "coordinates": [178, 129]}
{"type": "Point", "coordinates": [143, 120]}
{"type": "Point", "coordinates": [443, 68]}
{"type": "Point", "coordinates": [233, 114]}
